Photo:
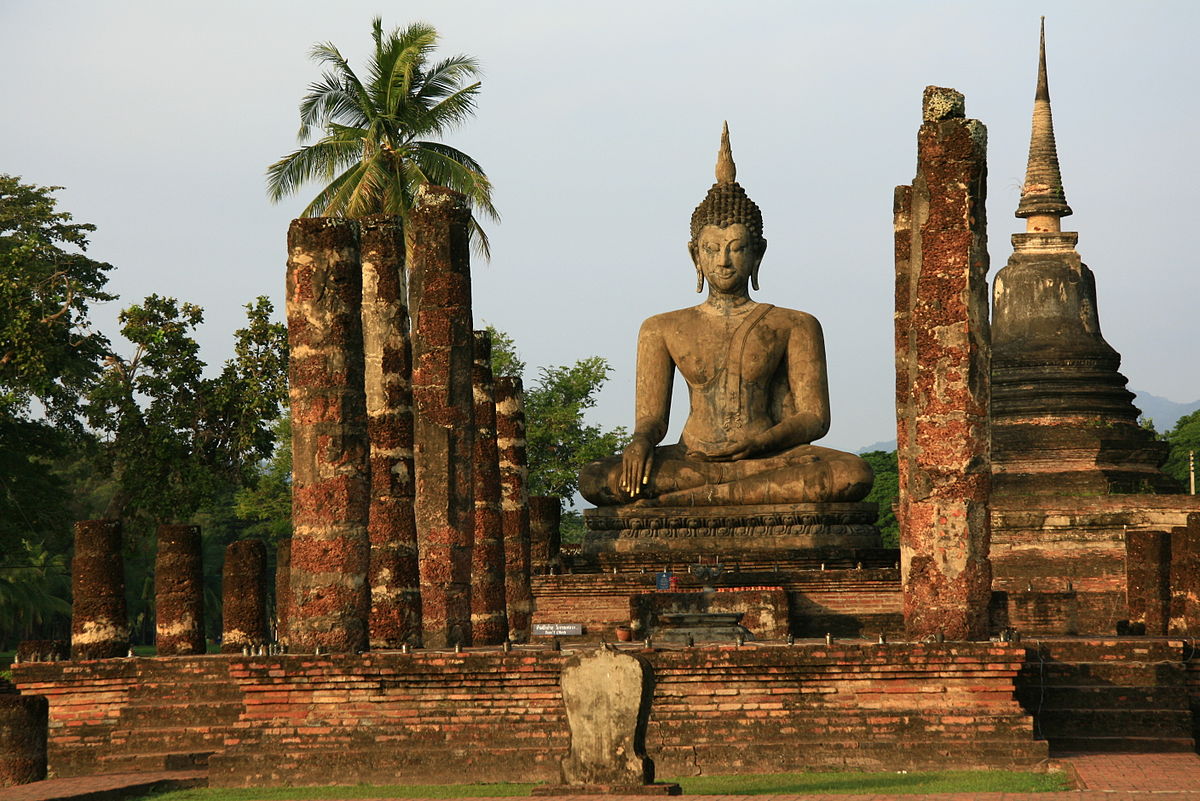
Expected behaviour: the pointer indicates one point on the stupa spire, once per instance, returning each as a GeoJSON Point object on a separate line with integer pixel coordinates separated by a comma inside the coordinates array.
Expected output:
{"type": "Point", "coordinates": [1043, 199]}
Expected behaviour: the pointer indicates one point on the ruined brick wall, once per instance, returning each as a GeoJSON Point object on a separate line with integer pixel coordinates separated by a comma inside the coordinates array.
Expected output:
{"type": "Point", "coordinates": [1073, 550]}
{"type": "Point", "coordinates": [942, 367]}
{"type": "Point", "coordinates": [99, 623]}
{"type": "Point", "coordinates": [441, 717]}
{"type": "Point", "coordinates": [330, 481]}
{"type": "Point", "coordinates": [842, 602]}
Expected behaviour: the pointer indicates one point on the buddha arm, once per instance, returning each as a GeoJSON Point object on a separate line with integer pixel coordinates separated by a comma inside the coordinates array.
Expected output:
{"type": "Point", "coordinates": [655, 371]}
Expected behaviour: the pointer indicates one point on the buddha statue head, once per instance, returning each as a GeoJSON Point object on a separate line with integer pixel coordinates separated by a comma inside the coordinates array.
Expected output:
{"type": "Point", "coordinates": [727, 216]}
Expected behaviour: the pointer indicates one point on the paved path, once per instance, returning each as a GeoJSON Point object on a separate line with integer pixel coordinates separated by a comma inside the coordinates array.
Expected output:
{"type": "Point", "coordinates": [1102, 777]}
{"type": "Point", "coordinates": [105, 788]}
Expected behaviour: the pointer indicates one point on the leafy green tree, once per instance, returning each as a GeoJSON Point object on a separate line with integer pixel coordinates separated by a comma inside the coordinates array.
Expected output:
{"type": "Point", "coordinates": [375, 149]}
{"type": "Point", "coordinates": [48, 351]}
{"type": "Point", "coordinates": [34, 592]}
{"type": "Point", "coordinates": [266, 505]}
{"type": "Point", "coordinates": [885, 492]}
{"type": "Point", "coordinates": [1184, 438]}
{"type": "Point", "coordinates": [173, 437]}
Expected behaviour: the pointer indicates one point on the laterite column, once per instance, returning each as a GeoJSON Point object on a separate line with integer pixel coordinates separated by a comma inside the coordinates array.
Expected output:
{"type": "Point", "coordinates": [489, 623]}
{"type": "Point", "coordinates": [330, 481]}
{"type": "Point", "coordinates": [395, 616]}
{"type": "Point", "coordinates": [283, 588]}
{"type": "Point", "coordinates": [514, 504]}
{"type": "Point", "coordinates": [942, 367]}
{"type": "Point", "coordinates": [99, 623]}
{"type": "Point", "coordinates": [443, 431]}
{"type": "Point", "coordinates": [545, 537]}
{"type": "Point", "coordinates": [24, 726]}
{"type": "Point", "coordinates": [179, 591]}
{"type": "Point", "coordinates": [243, 596]}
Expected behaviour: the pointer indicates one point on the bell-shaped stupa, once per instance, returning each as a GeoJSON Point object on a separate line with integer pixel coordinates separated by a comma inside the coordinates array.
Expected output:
{"type": "Point", "coordinates": [1062, 420]}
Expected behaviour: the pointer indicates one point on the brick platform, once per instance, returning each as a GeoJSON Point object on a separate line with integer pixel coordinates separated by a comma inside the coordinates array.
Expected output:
{"type": "Point", "coordinates": [483, 715]}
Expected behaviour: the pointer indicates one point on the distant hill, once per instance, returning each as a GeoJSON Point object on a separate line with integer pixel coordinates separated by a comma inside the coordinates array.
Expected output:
{"type": "Point", "coordinates": [1162, 411]}
{"type": "Point", "coordinates": [886, 445]}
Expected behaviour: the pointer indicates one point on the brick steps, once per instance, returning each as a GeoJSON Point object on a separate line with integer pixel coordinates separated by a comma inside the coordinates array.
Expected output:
{"type": "Point", "coordinates": [1109, 695]}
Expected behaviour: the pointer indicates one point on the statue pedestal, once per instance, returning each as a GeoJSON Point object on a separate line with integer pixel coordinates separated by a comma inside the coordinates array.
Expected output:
{"type": "Point", "coordinates": [728, 530]}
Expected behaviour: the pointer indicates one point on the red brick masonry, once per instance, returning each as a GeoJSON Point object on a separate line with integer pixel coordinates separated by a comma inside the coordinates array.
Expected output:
{"type": "Point", "coordinates": [485, 715]}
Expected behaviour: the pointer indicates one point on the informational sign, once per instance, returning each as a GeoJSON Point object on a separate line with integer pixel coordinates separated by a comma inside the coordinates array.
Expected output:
{"type": "Point", "coordinates": [662, 581]}
{"type": "Point", "coordinates": [557, 629]}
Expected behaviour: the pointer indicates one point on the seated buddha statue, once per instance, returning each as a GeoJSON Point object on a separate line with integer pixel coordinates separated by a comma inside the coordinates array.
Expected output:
{"type": "Point", "coordinates": [756, 382]}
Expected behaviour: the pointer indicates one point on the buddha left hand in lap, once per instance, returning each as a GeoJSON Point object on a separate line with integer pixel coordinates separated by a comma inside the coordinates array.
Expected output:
{"type": "Point", "coordinates": [756, 382]}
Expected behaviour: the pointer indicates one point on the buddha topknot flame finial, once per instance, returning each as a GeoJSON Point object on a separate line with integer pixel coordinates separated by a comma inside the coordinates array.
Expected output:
{"type": "Point", "coordinates": [726, 169]}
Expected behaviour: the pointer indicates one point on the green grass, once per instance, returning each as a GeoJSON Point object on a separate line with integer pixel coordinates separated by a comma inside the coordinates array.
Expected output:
{"type": "Point", "coordinates": [991, 781]}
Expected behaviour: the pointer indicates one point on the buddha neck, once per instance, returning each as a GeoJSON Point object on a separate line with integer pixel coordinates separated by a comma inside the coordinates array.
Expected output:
{"type": "Point", "coordinates": [728, 302]}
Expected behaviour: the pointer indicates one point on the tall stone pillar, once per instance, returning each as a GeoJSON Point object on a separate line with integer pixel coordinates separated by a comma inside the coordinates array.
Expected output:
{"type": "Point", "coordinates": [99, 622]}
{"type": "Point", "coordinates": [330, 482]}
{"type": "Point", "coordinates": [942, 365]}
{"type": "Point", "coordinates": [179, 591]}
{"type": "Point", "coordinates": [395, 616]}
{"type": "Point", "coordinates": [489, 622]}
{"type": "Point", "coordinates": [443, 433]}
{"type": "Point", "coordinates": [1148, 579]}
{"type": "Point", "coordinates": [283, 588]}
{"type": "Point", "coordinates": [514, 504]}
{"type": "Point", "coordinates": [244, 596]}
{"type": "Point", "coordinates": [545, 538]}
{"type": "Point", "coordinates": [1184, 609]}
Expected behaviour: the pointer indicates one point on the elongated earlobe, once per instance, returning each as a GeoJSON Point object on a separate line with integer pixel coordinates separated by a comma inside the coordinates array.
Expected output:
{"type": "Point", "coordinates": [700, 281]}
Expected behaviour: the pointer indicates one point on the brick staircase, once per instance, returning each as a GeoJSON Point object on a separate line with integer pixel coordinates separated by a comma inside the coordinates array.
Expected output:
{"type": "Point", "coordinates": [1126, 695]}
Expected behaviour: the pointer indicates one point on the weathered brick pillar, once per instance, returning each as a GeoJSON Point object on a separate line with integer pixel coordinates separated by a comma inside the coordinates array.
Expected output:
{"type": "Point", "coordinates": [489, 622]}
{"type": "Point", "coordinates": [99, 623]}
{"type": "Point", "coordinates": [179, 591]}
{"type": "Point", "coordinates": [24, 722]}
{"type": "Point", "coordinates": [1148, 578]}
{"type": "Point", "coordinates": [395, 616]}
{"type": "Point", "coordinates": [545, 538]}
{"type": "Point", "coordinates": [283, 588]}
{"type": "Point", "coordinates": [514, 504]}
{"type": "Point", "coordinates": [330, 480]}
{"type": "Point", "coordinates": [244, 596]}
{"type": "Point", "coordinates": [1184, 610]}
{"type": "Point", "coordinates": [443, 434]}
{"type": "Point", "coordinates": [942, 366]}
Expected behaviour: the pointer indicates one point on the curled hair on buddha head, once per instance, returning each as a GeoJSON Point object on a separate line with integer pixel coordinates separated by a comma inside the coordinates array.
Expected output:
{"type": "Point", "coordinates": [727, 203]}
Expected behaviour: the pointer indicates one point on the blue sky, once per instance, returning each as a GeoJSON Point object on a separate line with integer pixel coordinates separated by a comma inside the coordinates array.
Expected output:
{"type": "Point", "coordinates": [599, 124]}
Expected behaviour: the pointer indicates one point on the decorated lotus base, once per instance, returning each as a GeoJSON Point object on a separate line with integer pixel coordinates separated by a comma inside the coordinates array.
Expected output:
{"type": "Point", "coordinates": [729, 529]}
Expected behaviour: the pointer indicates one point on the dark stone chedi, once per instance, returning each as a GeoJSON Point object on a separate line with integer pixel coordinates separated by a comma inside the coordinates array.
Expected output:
{"type": "Point", "coordinates": [1062, 420]}
{"type": "Point", "coordinates": [99, 623]}
{"type": "Point", "coordinates": [330, 476]}
{"type": "Point", "coordinates": [243, 596]}
{"type": "Point", "coordinates": [179, 591]}
{"type": "Point", "coordinates": [745, 473]}
{"type": "Point", "coordinates": [439, 295]}
{"type": "Point", "coordinates": [942, 375]}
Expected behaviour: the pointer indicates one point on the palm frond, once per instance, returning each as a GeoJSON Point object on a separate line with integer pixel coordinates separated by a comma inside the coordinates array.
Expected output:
{"type": "Point", "coordinates": [451, 111]}
{"type": "Point", "coordinates": [320, 160]}
{"type": "Point", "coordinates": [328, 99]}
{"type": "Point", "coordinates": [326, 53]}
{"type": "Point", "coordinates": [447, 76]}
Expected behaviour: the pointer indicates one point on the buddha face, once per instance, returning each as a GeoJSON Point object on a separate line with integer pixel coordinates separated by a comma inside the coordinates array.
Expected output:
{"type": "Point", "coordinates": [727, 257]}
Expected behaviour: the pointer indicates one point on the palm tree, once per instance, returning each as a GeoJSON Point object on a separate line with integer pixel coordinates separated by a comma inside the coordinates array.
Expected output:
{"type": "Point", "coordinates": [372, 155]}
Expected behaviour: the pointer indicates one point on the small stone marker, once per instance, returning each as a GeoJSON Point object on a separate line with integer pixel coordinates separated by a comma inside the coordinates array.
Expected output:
{"type": "Point", "coordinates": [607, 700]}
